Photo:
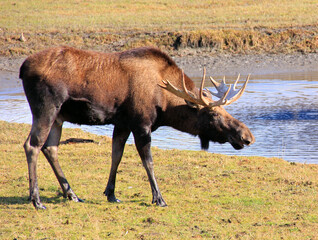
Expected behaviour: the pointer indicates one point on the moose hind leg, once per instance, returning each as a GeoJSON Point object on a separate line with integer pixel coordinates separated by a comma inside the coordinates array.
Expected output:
{"type": "Point", "coordinates": [120, 137]}
{"type": "Point", "coordinates": [32, 148]}
{"type": "Point", "coordinates": [50, 150]}
{"type": "Point", "coordinates": [143, 144]}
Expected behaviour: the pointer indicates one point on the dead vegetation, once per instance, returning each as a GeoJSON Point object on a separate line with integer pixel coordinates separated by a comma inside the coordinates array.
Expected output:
{"type": "Point", "coordinates": [210, 42]}
{"type": "Point", "coordinates": [178, 27]}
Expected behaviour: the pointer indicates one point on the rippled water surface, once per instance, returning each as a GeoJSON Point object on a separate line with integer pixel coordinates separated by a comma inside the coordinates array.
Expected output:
{"type": "Point", "coordinates": [280, 109]}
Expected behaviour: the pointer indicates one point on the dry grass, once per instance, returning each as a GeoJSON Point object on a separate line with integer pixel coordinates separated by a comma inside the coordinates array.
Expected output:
{"type": "Point", "coordinates": [214, 26]}
{"type": "Point", "coordinates": [209, 195]}
{"type": "Point", "coordinates": [150, 15]}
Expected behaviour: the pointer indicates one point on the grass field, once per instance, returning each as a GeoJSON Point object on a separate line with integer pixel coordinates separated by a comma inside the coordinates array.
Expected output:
{"type": "Point", "coordinates": [150, 15]}
{"type": "Point", "coordinates": [216, 26]}
{"type": "Point", "coordinates": [209, 196]}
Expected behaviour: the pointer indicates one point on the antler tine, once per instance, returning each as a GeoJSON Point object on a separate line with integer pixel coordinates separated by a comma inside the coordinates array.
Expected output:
{"type": "Point", "coordinates": [220, 87]}
{"type": "Point", "coordinates": [183, 83]}
{"type": "Point", "coordinates": [221, 101]}
{"type": "Point", "coordinates": [185, 94]}
{"type": "Point", "coordinates": [215, 83]}
{"type": "Point", "coordinates": [203, 99]}
{"type": "Point", "coordinates": [202, 82]}
{"type": "Point", "coordinates": [238, 77]}
{"type": "Point", "coordinates": [192, 99]}
{"type": "Point", "coordinates": [240, 92]}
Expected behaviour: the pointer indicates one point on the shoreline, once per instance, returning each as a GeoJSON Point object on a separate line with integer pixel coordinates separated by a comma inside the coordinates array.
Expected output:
{"type": "Point", "coordinates": [249, 64]}
{"type": "Point", "coordinates": [225, 64]}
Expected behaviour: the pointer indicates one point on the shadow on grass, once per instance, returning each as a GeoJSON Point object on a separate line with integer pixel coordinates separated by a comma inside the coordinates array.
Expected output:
{"type": "Point", "coordinates": [141, 203]}
{"type": "Point", "coordinates": [59, 199]}
{"type": "Point", "coordinates": [25, 200]}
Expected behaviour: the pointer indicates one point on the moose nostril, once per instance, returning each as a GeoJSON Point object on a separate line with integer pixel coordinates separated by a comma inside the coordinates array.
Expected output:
{"type": "Point", "coordinates": [247, 142]}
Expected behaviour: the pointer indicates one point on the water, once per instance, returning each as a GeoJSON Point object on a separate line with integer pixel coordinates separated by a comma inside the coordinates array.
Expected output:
{"type": "Point", "coordinates": [280, 109]}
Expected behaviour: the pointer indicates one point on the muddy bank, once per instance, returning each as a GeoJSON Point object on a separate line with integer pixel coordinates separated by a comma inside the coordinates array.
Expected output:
{"type": "Point", "coordinates": [259, 40]}
{"type": "Point", "coordinates": [245, 64]}
{"type": "Point", "coordinates": [222, 64]}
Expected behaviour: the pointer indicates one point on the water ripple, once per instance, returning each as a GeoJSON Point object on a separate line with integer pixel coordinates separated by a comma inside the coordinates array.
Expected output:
{"type": "Point", "coordinates": [281, 112]}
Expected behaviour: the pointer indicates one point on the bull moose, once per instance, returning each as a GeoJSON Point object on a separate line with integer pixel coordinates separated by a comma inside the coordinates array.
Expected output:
{"type": "Point", "coordinates": [137, 91]}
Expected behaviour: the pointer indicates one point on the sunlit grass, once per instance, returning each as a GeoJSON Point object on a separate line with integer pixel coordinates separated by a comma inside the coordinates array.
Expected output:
{"type": "Point", "coordinates": [176, 15]}
{"type": "Point", "coordinates": [208, 195]}
{"type": "Point", "coordinates": [217, 26]}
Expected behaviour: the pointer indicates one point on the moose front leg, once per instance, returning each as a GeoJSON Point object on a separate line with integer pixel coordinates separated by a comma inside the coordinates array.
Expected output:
{"type": "Point", "coordinates": [120, 137]}
{"type": "Point", "coordinates": [143, 145]}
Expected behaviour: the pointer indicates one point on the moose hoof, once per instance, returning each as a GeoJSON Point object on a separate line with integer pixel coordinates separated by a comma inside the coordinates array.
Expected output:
{"type": "Point", "coordinates": [38, 205]}
{"type": "Point", "coordinates": [113, 199]}
{"type": "Point", "coordinates": [72, 196]}
{"type": "Point", "coordinates": [75, 199]}
{"type": "Point", "coordinates": [110, 194]}
{"type": "Point", "coordinates": [160, 202]}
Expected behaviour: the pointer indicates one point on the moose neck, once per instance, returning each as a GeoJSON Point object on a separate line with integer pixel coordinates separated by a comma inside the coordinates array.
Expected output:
{"type": "Point", "coordinates": [182, 118]}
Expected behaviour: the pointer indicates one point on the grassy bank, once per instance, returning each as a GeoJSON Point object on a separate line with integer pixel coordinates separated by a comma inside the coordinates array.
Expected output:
{"type": "Point", "coordinates": [209, 195]}
{"type": "Point", "coordinates": [178, 26]}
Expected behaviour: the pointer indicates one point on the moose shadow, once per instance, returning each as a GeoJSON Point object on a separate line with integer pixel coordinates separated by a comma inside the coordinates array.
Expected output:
{"type": "Point", "coordinates": [18, 200]}
{"type": "Point", "coordinates": [22, 200]}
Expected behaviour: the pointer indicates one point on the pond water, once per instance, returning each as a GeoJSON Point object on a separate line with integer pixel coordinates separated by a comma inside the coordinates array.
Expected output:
{"type": "Point", "coordinates": [280, 109]}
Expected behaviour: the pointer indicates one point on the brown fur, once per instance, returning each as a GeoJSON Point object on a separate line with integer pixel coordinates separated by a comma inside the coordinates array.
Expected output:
{"type": "Point", "coordinates": [84, 87]}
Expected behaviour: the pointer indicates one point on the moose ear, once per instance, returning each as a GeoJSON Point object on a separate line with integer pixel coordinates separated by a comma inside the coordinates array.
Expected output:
{"type": "Point", "coordinates": [192, 105]}
{"type": "Point", "coordinates": [197, 106]}
{"type": "Point", "coordinates": [207, 93]}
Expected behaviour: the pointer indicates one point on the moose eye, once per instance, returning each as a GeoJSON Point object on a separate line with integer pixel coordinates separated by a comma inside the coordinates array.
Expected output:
{"type": "Point", "coordinates": [214, 114]}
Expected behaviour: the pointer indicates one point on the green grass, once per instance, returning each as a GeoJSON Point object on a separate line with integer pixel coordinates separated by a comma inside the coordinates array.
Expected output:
{"type": "Point", "coordinates": [208, 195]}
{"type": "Point", "coordinates": [176, 15]}
{"type": "Point", "coordinates": [216, 26]}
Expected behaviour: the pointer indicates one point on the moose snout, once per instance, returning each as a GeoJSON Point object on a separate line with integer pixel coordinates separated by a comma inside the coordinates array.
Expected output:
{"type": "Point", "coordinates": [242, 138]}
{"type": "Point", "coordinates": [247, 137]}
{"type": "Point", "coordinates": [248, 140]}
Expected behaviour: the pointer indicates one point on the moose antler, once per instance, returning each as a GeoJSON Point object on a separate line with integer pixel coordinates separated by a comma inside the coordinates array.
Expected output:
{"type": "Point", "coordinates": [233, 94]}
{"type": "Point", "coordinates": [226, 94]}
